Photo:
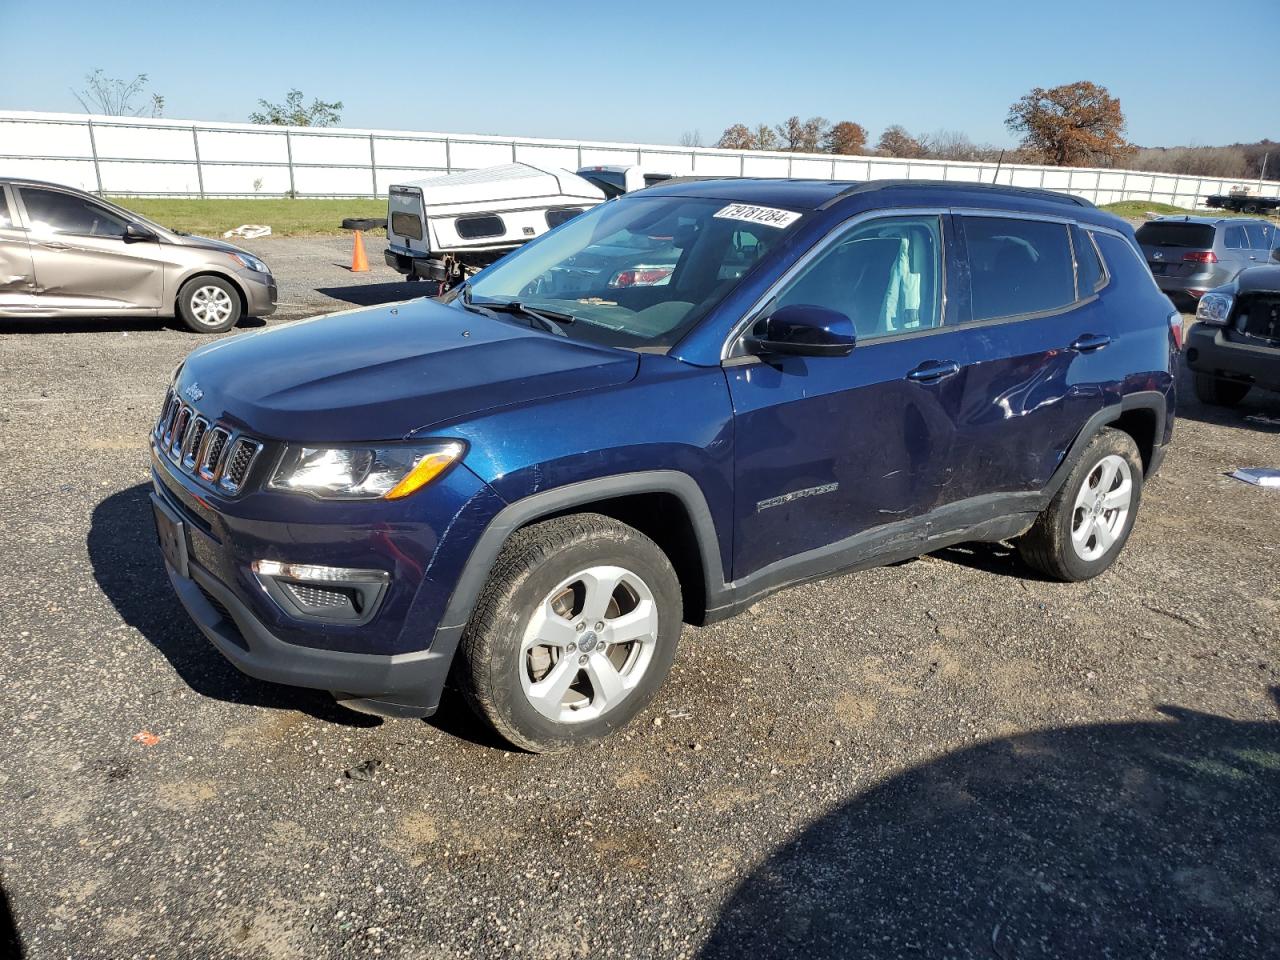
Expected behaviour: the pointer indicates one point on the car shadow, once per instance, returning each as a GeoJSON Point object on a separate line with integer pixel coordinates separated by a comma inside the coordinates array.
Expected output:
{"type": "Point", "coordinates": [113, 325]}
{"type": "Point", "coordinates": [128, 568]}
{"type": "Point", "coordinates": [1001, 559]}
{"type": "Point", "coordinates": [1140, 839]}
{"type": "Point", "coordinates": [10, 941]}
{"type": "Point", "coordinates": [372, 294]}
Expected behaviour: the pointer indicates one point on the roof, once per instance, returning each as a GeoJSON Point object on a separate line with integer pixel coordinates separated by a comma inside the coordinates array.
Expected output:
{"type": "Point", "coordinates": [798, 194]}
{"type": "Point", "coordinates": [1188, 218]}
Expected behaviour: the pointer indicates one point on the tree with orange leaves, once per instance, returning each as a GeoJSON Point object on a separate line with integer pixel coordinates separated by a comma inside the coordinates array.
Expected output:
{"type": "Point", "coordinates": [1074, 125]}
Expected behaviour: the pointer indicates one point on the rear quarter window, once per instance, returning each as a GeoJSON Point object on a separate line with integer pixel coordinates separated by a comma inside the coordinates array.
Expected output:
{"type": "Point", "coordinates": [1018, 266]}
{"type": "Point", "coordinates": [1091, 276]}
{"type": "Point", "coordinates": [1176, 234]}
{"type": "Point", "coordinates": [476, 228]}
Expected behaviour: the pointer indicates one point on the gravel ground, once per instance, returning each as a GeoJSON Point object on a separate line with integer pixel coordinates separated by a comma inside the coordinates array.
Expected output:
{"type": "Point", "coordinates": [948, 757]}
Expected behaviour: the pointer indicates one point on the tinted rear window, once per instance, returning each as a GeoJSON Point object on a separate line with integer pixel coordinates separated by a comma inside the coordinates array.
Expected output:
{"type": "Point", "coordinates": [1176, 234]}
{"type": "Point", "coordinates": [1018, 266]}
{"type": "Point", "coordinates": [406, 225]}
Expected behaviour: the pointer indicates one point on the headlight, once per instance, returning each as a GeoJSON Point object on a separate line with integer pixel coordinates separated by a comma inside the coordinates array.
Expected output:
{"type": "Point", "coordinates": [364, 473]}
{"type": "Point", "coordinates": [1214, 309]}
{"type": "Point", "coordinates": [253, 263]}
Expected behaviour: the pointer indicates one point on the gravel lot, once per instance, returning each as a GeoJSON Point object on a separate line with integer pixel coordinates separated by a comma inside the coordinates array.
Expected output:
{"type": "Point", "coordinates": [948, 757]}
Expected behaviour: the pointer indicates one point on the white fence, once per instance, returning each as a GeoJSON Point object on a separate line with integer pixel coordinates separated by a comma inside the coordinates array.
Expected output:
{"type": "Point", "coordinates": [126, 156]}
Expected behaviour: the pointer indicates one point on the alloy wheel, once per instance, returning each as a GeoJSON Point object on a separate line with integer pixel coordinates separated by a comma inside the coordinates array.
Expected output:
{"type": "Point", "coordinates": [211, 305]}
{"type": "Point", "coordinates": [588, 644]}
{"type": "Point", "coordinates": [1101, 507]}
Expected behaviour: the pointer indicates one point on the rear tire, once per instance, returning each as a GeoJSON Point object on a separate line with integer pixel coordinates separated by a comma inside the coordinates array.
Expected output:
{"type": "Point", "coordinates": [1218, 392]}
{"type": "Point", "coordinates": [1087, 523]}
{"type": "Point", "coordinates": [209, 304]}
{"type": "Point", "coordinates": [573, 634]}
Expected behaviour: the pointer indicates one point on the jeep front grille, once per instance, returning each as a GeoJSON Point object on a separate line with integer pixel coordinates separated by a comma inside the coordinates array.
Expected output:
{"type": "Point", "coordinates": [213, 452]}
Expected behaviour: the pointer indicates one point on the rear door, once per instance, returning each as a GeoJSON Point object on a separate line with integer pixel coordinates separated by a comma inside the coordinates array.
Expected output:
{"type": "Point", "coordinates": [1237, 247]}
{"type": "Point", "coordinates": [81, 258]}
{"type": "Point", "coordinates": [406, 226]}
{"type": "Point", "coordinates": [17, 276]}
{"type": "Point", "coordinates": [1261, 240]}
{"type": "Point", "coordinates": [1039, 343]}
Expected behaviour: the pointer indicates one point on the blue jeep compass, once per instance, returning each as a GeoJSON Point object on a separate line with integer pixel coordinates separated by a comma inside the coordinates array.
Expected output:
{"type": "Point", "coordinates": [658, 413]}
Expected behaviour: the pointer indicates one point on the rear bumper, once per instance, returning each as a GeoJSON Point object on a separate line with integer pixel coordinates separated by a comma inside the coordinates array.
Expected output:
{"type": "Point", "coordinates": [415, 268]}
{"type": "Point", "coordinates": [1194, 284]}
{"type": "Point", "coordinates": [407, 685]}
{"type": "Point", "coordinates": [1209, 351]}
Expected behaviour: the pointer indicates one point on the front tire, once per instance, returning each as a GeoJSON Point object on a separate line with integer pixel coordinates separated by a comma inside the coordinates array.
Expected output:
{"type": "Point", "coordinates": [209, 304]}
{"type": "Point", "coordinates": [1088, 522]}
{"type": "Point", "coordinates": [573, 634]}
{"type": "Point", "coordinates": [1218, 392]}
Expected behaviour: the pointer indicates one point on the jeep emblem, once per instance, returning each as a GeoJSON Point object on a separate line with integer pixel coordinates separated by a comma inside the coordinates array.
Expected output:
{"type": "Point", "coordinates": [194, 393]}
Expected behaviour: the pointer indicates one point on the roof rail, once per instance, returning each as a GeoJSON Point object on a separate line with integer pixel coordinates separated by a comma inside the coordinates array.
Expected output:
{"type": "Point", "coordinates": [1034, 193]}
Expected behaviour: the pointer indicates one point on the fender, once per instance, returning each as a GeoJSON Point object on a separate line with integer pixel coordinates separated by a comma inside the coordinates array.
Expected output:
{"type": "Point", "coordinates": [1152, 400]}
{"type": "Point", "coordinates": [549, 502]}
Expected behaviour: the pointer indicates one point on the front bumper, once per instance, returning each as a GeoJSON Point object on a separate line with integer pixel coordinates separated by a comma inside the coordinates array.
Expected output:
{"type": "Point", "coordinates": [1209, 350]}
{"type": "Point", "coordinates": [260, 294]}
{"type": "Point", "coordinates": [406, 685]}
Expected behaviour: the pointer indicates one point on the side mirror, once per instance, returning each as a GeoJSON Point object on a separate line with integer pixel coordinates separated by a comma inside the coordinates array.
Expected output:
{"type": "Point", "coordinates": [137, 233]}
{"type": "Point", "coordinates": [802, 330]}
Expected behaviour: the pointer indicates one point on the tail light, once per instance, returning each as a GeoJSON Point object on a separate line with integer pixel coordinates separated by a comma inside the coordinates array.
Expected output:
{"type": "Point", "coordinates": [641, 277]}
{"type": "Point", "coordinates": [1175, 329]}
{"type": "Point", "coordinates": [1200, 256]}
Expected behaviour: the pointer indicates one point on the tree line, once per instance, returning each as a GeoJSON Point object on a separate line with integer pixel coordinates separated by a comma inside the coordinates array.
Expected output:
{"type": "Point", "coordinates": [1073, 125]}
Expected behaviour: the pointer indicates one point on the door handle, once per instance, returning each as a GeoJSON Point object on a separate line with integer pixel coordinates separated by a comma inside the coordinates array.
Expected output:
{"type": "Point", "coordinates": [1088, 342]}
{"type": "Point", "coordinates": [931, 371]}
{"type": "Point", "coordinates": [52, 245]}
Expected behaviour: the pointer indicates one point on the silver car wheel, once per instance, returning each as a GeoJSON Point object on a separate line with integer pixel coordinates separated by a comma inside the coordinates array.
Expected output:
{"type": "Point", "coordinates": [1101, 507]}
{"type": "Point", "coordinates": [588, 644]}
{"type": "Point", "coordinates": [211, 305]}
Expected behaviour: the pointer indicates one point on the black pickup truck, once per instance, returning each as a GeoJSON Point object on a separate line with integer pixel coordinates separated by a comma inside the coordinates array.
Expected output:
{"type": "Point", "coordinates": [1235, 343]}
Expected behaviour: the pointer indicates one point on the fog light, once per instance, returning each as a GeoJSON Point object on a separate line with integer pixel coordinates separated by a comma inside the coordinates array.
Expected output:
{"type": "Point", "coordinates": [310, 591]}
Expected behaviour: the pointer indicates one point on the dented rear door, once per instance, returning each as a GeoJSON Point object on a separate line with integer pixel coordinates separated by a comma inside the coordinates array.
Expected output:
{"type": "Point", "coordinates": [17, 276]}
{"type": "Point", "coordinates": [81, 260]}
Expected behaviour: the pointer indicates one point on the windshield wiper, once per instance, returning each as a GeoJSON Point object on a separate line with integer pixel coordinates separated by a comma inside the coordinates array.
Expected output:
{"type": "Point", "coordinates": [549, 320]}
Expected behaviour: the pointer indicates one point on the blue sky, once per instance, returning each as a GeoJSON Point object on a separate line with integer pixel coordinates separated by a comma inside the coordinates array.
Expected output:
{"type": "Point", "coordinates": [647, 72]}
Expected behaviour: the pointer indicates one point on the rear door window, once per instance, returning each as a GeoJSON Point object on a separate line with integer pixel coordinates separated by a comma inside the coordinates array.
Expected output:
{"type": "Point", "coordinates": [1259, 235]}
{"type": "Point", "coordinates": [1234, 237]}
{"type": "Point", "coordinates": [6, 220]}
{"type": "Point", "coordinates": [1162, 234]}
{"type": "Point", "coordinates": [1018, 266]}
{"type": "Point", "coordinates": [52, 212]}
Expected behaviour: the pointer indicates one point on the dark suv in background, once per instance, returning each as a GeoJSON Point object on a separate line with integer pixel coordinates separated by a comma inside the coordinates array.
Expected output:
{"type": "Point", "coordinates": [1189, 256]}
{"type": "Point", "coordinates": [527, 487]}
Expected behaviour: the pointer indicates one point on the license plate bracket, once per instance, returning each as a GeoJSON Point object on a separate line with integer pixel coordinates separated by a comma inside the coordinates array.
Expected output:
{"type": "Point", "coordinates": [172, 535]}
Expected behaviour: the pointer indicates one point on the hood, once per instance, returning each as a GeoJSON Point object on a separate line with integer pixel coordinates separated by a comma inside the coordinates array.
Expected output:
{"type": "Point", "coordinates": [386, 372]}
{"type": "Point", "coordinates": [1257, 280]}
{"type": "Point", "coordinates": [206, 243]}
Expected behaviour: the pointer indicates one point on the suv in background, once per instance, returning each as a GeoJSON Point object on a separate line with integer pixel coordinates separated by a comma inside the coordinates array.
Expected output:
{"type": "Point", "coordinates": [65, 253]}
{"type": "Point", "coordinates": [527, 486]}
{"type": "Point", "coordinates": [1189, 256]}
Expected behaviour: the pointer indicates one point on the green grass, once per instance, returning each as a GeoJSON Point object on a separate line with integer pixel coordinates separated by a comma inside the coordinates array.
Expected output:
{"type": "Point", "coordinates": [288, 218]}
{"type": "Point", "coordinates": [1138, 210]}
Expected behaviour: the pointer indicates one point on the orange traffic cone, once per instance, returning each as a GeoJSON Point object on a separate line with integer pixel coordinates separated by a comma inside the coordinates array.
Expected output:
{"type": "Point", "coordinates": [359, 262]}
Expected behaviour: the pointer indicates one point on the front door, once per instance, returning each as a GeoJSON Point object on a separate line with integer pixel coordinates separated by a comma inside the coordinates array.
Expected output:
{"type": "Point", "coordinates": [828, 448]}
{"type": "Point", "coordinates": [82, 259]}
{"type": "Point", "coordinates": [17, 277]}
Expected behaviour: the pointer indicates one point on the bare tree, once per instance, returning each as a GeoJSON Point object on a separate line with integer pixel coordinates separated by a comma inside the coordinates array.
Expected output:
{"type": "Point", "coordinates": [765, 138]}
{"type": "Point", "coordinates": [802, 136]}
{"type": "Point", "coordinates": [294, 113]}
{"type": "Point", "coordinates": [737, 137]}
{"type": "Point", "coordinates": [116, 98]}
{"type": "Point", "coordinates": [691, 138]}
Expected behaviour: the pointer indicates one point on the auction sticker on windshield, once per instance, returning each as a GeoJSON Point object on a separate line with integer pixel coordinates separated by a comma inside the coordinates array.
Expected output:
{"type": "Point", "coordinates": [767, 216]}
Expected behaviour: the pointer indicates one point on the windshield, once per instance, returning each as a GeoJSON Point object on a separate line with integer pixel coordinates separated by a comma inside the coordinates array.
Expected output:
{"type": "Point", "coordinates": [637, 272]}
